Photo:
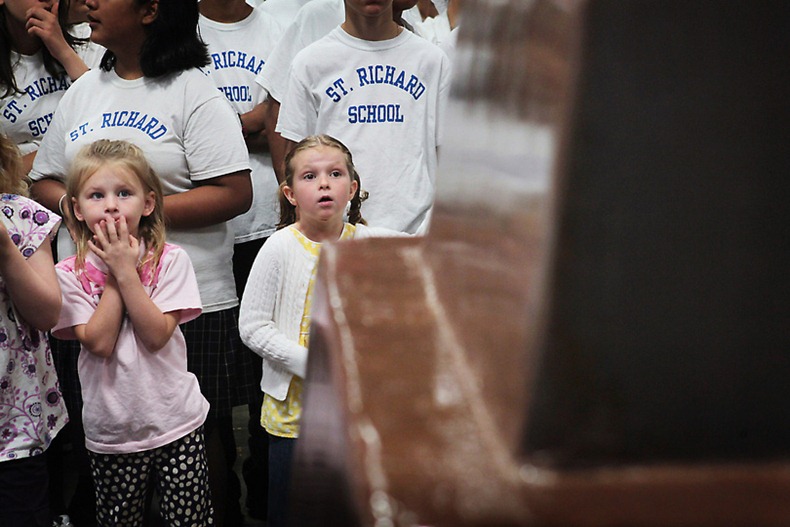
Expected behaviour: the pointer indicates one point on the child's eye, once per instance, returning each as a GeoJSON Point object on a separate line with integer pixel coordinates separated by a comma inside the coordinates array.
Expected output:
{"type": "Point", "coordinates": [336, 173]}
{"type": "Point", "coordinates": [124, 194]}
{"type": "Point", "coordinates": [308, 176]}
{"type": "Point", "coordinates": [95, 195]}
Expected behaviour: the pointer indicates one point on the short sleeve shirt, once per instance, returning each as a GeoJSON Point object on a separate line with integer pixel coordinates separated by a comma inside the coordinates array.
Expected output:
{"type": "Point", "coordinates": [32, 410]}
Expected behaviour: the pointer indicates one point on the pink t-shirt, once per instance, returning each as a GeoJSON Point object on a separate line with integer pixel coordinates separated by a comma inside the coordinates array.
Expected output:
{"type": "Point", "coordinates": [135, 400]}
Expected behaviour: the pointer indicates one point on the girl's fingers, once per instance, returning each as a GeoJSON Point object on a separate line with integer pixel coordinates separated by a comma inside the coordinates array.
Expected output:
{"type": "Point", "coordinates": [98, 252]}
{"type": "Point", "coordinates": [134, 243]}
{"type": "Point", "coordinates": [98, 233]}
{"type": "Point", "coordinates": [39, 18]}
{"type": "Point", "coordinates": [123, 229]}
{"type": "Point", "coordinates": [38, 13]}
{"type": "Point", "coordinates": [112, 231]}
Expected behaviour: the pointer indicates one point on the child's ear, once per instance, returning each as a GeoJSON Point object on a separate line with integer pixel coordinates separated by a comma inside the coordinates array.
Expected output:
{"type": "Point", "coordinates": [354, 187]}
{"type": "Point", "coordinates": [77, 211]}
{"type": "Point", "coordinates": [150, 12]}
{"type": "Point", "coordinates": [150, 203]}
{"type": "Point", "coordinates": [289, 195]}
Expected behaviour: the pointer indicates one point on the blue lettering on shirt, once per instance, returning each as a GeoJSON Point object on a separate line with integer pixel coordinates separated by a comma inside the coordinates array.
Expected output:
{"type": "Point", "coordinates": [236, 59]}
{"type": "Point", "coordinates": [386, 74]}
{"type": "Point", "coordinates": [150, 126]}
{"type": "Point", "coordinates": [375, 113]}
{"type": "Point", "coordinates": [39, 126]}
{"type": "Point", "coordinates": [332, 91]}
{"type": "Point", "coordinates": [47, 85]}
{"type": "Point", "coordinates": [236, 93]}
{"type": "Point", "coordinates": [78, 132]}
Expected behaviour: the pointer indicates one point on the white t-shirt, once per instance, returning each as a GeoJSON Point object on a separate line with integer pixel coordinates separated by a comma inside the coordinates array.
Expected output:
{"type": "Point", "coordinates": [189, 134]}
{"type": "Point", "coordinates": [238, 52]}
{"type": "Point", "coordinates": [385, 101]}
{"type": "Point", "coordinates": [433, 29]}
{"type": "Point", "coordinates": [136, 399]}
{"type": "Point", "coordinates": [284, 11]}
{"type": "Point", "coordinates": [26, 117]}
{"type": "Point", "coordinates": [450, 43]}
{"type": "Point", "coordinates": [90, 52]}
{"type": "Point", "coordinates": [314, 21]}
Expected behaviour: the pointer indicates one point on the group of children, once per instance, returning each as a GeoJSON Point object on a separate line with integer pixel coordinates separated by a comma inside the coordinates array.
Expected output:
{"type": "Point", "coordinates": [145, 138]}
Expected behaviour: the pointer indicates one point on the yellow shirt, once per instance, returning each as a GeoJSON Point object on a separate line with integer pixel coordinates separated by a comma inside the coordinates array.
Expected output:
{"type": "Point", "coordinates": [281, 418]}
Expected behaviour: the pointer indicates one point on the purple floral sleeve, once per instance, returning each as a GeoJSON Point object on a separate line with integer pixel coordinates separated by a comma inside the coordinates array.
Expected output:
{"type": "Point", "coordinates": [28, 223]}
{"type": "Point", "coordinates": [32, 410]}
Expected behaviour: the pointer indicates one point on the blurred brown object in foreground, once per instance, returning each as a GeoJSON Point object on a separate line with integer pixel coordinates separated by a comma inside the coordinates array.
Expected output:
{"type": "Point", "coordinates": [595, 331]}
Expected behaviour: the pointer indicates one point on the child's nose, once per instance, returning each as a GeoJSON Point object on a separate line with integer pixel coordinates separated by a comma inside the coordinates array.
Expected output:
{"type": "Point", "coordinates": [110, 203]}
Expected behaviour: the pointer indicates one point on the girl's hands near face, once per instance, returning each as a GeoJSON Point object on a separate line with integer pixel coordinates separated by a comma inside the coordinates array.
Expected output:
{"type": "Point", "coordinates": [116, 247]}
{"type": "Point", "coordinates": [42, 22]}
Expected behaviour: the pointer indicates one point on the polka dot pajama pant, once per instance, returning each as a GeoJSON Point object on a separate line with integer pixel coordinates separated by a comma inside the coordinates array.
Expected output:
{"type": "Point", "coordinates": [181, 475]}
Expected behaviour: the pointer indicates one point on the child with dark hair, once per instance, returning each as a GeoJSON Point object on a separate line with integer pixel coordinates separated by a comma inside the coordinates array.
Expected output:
{"type": "Point", "coordinates": [38, 62]}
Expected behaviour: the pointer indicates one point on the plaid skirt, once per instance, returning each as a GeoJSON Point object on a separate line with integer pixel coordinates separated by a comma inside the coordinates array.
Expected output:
{"type": "Point", "coordinates": [223, 366]}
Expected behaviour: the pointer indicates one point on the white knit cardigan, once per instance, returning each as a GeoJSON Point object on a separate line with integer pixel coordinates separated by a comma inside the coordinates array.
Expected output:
{"type": "Point", "coordinates": [273, 304]}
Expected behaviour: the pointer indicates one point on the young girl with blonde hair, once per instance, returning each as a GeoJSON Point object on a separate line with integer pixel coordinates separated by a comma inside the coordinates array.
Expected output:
{"type": "Point", "coordinates": [124, 294]}
{"type": "Point", "coordinates": [149, 89]}
{"type": "Point", "coordinates": [320, 184]}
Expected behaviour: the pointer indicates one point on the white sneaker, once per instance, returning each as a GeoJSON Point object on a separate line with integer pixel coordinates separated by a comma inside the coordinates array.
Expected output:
{"type": "Point", "coordinates": [62, 521]}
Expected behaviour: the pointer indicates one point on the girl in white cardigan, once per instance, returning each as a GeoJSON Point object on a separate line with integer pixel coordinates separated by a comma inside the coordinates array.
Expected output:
{"type": "Point", "coordinates": [320, 184]}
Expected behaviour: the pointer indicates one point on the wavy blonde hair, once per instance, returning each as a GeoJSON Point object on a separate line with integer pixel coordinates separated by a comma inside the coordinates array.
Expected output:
{"type": "Point", "coordinates": [123, 154]}
{"type": "Point", "coordinates": [12, 175]}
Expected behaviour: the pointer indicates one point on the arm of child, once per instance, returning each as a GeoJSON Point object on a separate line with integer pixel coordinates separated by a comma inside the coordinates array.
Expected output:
{"type": "Point", "coordinates": [254, 120]}
{"type": "Point", "coordinates": [277, 143]}
{"type": "Point", "coordinates": [99, 335]}
{"type": "Point", "coordinates": [44, 25]}
{"type": "Point", "coordinates": [266, 340]}
{"type": "Point", "coordinates": [253, 125]}
{"type": "Point", "coordinates": [48, 192]}
{"type": "Point", "coordinates": [31, 283]}
{"type": "Point", "coordinates": [120, 251]}
{"type": "Point", "coordinates": [27, 161]}
{"type": "Point", "coordinates": [143, 313]}
{"type": "Point", "coordinates": [213, 201]}
{"type": "Point", "coordinates": [257, 326]}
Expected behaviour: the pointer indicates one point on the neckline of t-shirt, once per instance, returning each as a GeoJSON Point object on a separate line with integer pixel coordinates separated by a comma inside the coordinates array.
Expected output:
{"type": "Point", "coordinates": [228, 26]}
{"type": "Point", "coordinates": [119, 81]}
{"type": "Point", "coordinates": [21, 57]}
{"type": "Point", "coordinates": [371, 45]}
